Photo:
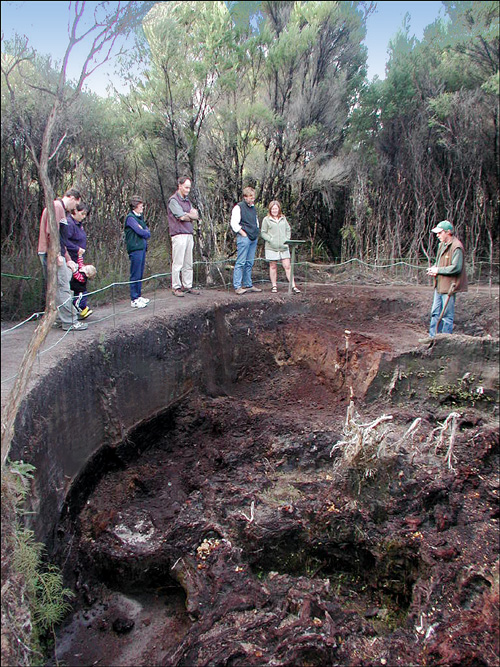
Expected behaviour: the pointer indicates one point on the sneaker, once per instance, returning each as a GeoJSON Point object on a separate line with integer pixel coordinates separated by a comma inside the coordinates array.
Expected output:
{"type": "Point", "coordinates": [253, 289]}
{"type": "Point", "coordinates": [138, 304]}
{"type": "Point", "coordinates": [143, 298]}
{"type": "Point", "coordinates": [241, 290]}
{"type": "Point", "coordinates": [86, 312]}
{"type": "Point", "coordinates": [177, 292]}
{"type": "Point", "coordinates": [190, 290]}
{"type": "Point", "coordinates": [77, 326]}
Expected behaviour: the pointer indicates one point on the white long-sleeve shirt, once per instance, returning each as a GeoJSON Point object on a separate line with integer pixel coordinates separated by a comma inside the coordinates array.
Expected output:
{"type": "Point", "coordinates": [236, 219]}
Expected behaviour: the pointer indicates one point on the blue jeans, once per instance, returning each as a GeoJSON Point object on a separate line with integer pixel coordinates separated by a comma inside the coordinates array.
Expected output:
{"type": "Point", "coordinates": [446, 324]}
{"type": "Point", "coordinates": [244, 261]}
{"type": "Point", "coordinates": [137, 264]}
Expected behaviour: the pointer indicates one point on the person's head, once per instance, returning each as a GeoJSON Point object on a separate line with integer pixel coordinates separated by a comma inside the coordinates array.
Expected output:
{"type": "Point", "coordinates": [136, 204]}
{"type": "Point", "coordinates": [444, 230]}
{"type": "Point", "coordinates": [249, 195]}
{"type": "Point", "coordinates": [89, 270]}
{"type": "Point", "coordinates": [275, 209]}
{"type": "Point", "coordinates": [184, 185]}
{"type": "Point", "coordinates": [80, 212]}
{"type": "Point", "coordinates": [71, 198]}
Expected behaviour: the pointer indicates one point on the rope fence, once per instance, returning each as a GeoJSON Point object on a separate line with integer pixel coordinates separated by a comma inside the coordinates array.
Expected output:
{"type": "Point", "coordinates": [304, 271]}
{"type": "Point", "coordinates": [397, 273]}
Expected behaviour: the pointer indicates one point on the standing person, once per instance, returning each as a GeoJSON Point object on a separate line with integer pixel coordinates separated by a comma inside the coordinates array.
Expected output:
{"type": "Point", "coordinates": [449, 278]}
{"type": "Point", "coordinates": [67, 315]}
{"type": "Point", "coordinates": [77, 236]}
{"type": "Point", "coordinates": [77, 239]}
{"type": "Point", "coordinates": [245, 224]}
{"type": "Point", "coordinates": [78, 284]}
{"type": "Point", "coordinates": [180, 225]}
{"type": "Point", "coordinates": [275, 231]}
{"type": "Point", "coordinates": [136, 236]}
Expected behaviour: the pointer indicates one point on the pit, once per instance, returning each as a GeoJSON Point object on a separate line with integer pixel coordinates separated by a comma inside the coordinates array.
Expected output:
{"type": "Point", "coordinates": [271, 483]}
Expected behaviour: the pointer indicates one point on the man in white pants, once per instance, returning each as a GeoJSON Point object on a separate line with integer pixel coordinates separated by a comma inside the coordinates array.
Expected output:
{"type": "Point", "coordinates": [180, 225]}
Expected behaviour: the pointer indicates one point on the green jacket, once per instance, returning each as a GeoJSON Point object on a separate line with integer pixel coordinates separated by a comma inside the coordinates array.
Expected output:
{"type": "Point", "coordinates": [275, 233]}
{"type": "Point", "coordinates": [136, 232]}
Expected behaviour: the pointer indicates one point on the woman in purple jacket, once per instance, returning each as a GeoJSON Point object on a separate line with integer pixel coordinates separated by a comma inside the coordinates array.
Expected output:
{"type": "Point", "coordinates": [77, 238]}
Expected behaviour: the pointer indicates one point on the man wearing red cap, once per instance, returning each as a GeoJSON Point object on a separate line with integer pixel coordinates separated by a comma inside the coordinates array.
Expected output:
{"type": "Point", "coordinates": [449, 278]}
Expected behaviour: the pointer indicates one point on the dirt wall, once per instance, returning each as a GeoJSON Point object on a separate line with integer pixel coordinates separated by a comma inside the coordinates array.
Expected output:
{"type": "Point", "coordinates": [94, 399]}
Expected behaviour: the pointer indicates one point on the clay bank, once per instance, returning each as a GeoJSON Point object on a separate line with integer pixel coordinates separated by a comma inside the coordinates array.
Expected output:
{"type": "Point", "coordinates": [276, 481]}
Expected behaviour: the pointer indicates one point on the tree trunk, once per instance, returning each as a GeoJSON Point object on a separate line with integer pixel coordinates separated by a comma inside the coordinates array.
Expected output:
{"type": "Point", "coordinates": [9, 412]}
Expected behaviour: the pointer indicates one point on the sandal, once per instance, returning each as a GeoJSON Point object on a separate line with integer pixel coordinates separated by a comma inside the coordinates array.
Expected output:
{"type": "Point", "coordinates": [274, 289]}
{"type": "Point", "coordinates": [296, 290]}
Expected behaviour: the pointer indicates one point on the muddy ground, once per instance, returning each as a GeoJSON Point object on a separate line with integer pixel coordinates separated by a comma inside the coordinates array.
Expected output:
{"type": "Point", "coordinates": [298, 517]}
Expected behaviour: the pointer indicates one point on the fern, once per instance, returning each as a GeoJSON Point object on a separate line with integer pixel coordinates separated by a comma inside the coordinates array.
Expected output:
{"type": "Point", "coordinates": [52, 599]}
{"type": "Point", "coordinates": [42, 583]}
{"type": "Point", "coordinates": [21, 475]}
{"type": "Point", "coordinates": [27, 553]}
{"type": "Point", "coordinates": [48, 599]}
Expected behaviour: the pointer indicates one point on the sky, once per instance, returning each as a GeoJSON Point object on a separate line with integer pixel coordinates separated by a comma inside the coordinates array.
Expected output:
{"type": "Point", "coordinates": [45, 25]}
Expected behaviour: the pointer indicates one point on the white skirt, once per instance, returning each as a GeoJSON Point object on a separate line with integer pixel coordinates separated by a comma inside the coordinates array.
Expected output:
{"type": "Point", "coordinates": [275, 256]}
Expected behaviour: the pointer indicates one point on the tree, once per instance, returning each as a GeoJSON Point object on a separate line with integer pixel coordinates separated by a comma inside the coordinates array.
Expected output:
{"type": "Point", "coordinates": [426, 138]}
{"type": "Point", "coordinates": [192, 68]}
{"type": "Point", "coordinates": [108, 26]}
{"type": "Point", "coordinates": [314, 68]}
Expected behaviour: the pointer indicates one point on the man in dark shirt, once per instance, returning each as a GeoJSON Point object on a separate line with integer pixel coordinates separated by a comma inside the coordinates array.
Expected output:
{"type": "Point", "coordinates": [245, 224]}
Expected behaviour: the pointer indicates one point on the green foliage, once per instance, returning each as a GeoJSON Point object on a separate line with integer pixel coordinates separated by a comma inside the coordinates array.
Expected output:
{"type": "Point", "coordinates": [348, 233]}
{"type": "Point", "coordinates": [463, 392]}
{"type": "Point", "coordinates": [21, 475]}
{"type": "Point", "coordinates": [47, 597]}
{"type": "Point", "coordinates": [318, 253]}
{"type": "Point", "coordinates": [441, 107]}
{"type": "Point", "coordinates": [492, 85]}
{"type": "Point", "coordinates": [246, 15]}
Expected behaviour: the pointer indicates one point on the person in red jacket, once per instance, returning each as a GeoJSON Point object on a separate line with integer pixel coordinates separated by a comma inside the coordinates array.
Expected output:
{"type": "Point", "coordinates": [78, 285]}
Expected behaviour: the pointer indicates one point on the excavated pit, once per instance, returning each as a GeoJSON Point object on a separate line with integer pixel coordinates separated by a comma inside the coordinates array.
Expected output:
{"type": "Point", "coordinates": [257, 496]}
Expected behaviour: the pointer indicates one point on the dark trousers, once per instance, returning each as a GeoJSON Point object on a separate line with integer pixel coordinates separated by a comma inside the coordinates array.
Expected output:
{"type": "Point", "coordinates": [80, 291]}
{"type": "Point", "coordinates": [137, 264]}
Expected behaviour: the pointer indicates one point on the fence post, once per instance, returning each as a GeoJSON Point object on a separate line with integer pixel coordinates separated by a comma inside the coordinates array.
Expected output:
{"type": "Point", "coordinates": [292, 244]}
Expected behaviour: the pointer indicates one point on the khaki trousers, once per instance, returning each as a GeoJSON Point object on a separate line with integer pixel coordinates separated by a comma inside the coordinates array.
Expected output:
{"type": "Point", "coordinates": [182, 261]}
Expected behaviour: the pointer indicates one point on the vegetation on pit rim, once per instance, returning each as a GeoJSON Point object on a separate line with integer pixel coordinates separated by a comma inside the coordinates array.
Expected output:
{"type": "Point", "coordinates": [35, 599]}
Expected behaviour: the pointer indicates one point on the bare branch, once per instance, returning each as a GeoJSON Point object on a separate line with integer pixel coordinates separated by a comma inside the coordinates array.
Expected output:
{"type": "Point", "coordinates": [58, 146]}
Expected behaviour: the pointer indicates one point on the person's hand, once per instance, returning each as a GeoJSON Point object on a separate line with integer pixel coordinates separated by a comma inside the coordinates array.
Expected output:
{"type": "Point", "coordinates": [60, 260]}
{"type": "Point", "coordinates": [72, 265]}
{"type": "Point", "coordinates": [432, 271]}
{"type": "Point", "coordinates": [193, 214]}
{"type": "Point", "coordinates": [243, 232]}
{"type": "Point", "coordinates": [81, 252]}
